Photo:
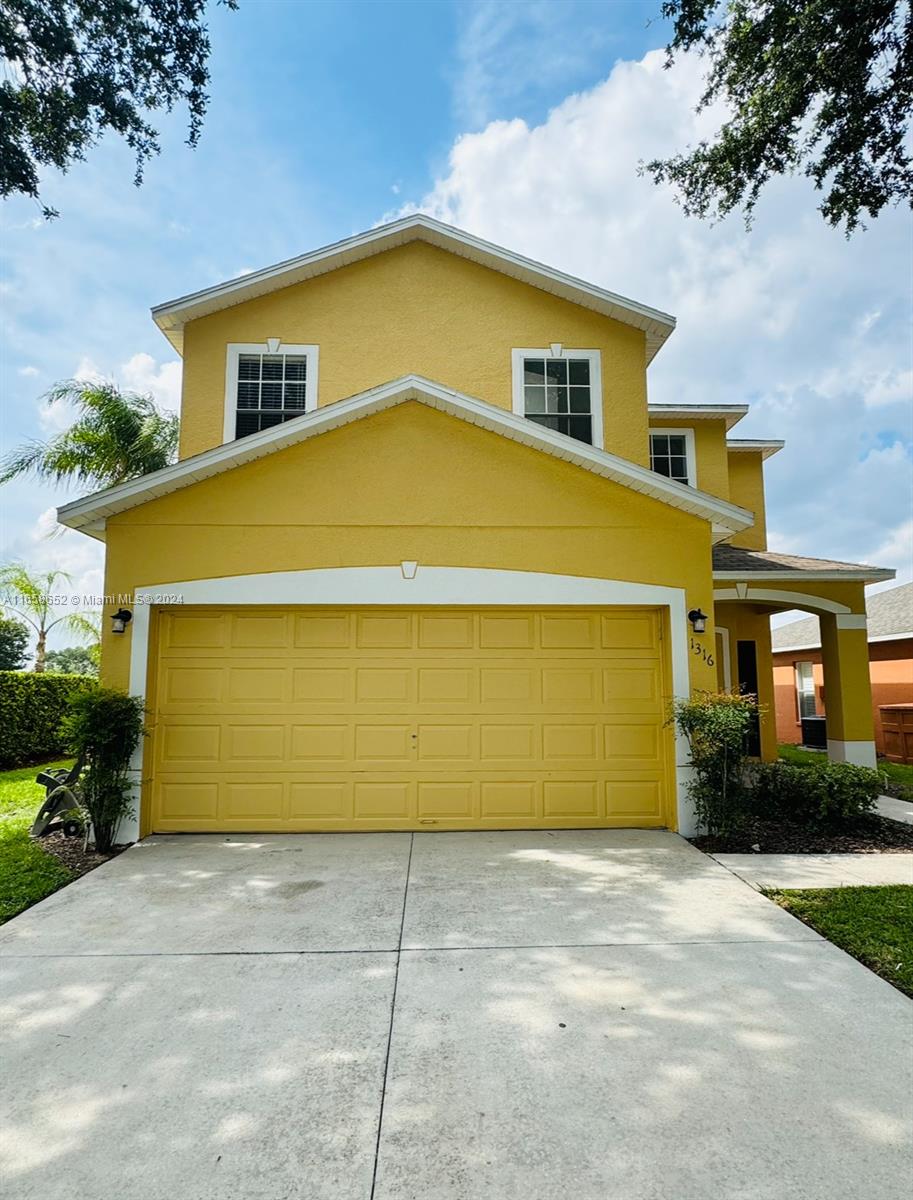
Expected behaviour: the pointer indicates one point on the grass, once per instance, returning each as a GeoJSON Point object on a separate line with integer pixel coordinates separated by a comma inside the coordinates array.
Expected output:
{"type": "Point", "coordinates": [874, 924]}
{"type": "Point", "coordinates": [900, 773]}
{"type": "Point", "coordinates": [27, 873]}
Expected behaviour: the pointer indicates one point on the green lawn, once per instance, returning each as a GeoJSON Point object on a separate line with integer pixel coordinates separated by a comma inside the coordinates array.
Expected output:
{"type": "Point", "coordinates": [874, 924]}
{"type": "Point", "coordinates": [901, 773]}
{"type": "Point", "coordinates": [27, 873]}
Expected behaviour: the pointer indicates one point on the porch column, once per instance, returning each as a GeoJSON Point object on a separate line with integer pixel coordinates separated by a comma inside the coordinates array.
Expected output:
{"type": "Point", "coordinates": [847, 691]}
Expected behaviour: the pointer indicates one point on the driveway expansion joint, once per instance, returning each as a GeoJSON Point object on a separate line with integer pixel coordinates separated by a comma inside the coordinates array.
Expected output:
{"type": "Point", "coordinates": [399, 950]}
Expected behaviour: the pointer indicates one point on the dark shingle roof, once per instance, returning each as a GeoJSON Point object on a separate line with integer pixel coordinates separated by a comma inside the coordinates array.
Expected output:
{"type": "Point", "coordinates": [889, 613]}
{"type": "Point", "coordinates": [752, 562]}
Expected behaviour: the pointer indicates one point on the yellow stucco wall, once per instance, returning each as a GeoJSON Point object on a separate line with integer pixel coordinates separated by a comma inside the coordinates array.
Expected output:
{"type": "Point", "coordinates": [407, 483]}
{"type": "Point", "coordinates": [416, 309]}
{"type": "Point", "coordinates": [746, 488]}
{"type": "Point", "coordinates": [709, 451]}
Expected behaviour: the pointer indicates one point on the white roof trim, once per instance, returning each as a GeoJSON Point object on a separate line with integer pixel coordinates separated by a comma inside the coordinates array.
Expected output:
{"type": "Point", "coordinates": [172, 316]}
{"type": "Point", "coordinates": [730, 413]}
{"type": "Point", "coordinates": [766, 448]}
{"type": "Point", "coordinates": [89, 514]}
{"type": "Point", "coordinates": [866, 575]}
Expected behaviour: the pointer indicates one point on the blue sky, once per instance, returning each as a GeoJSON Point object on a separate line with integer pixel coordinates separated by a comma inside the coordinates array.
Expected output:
{"type": "Point", "coordinates": [524, 123]}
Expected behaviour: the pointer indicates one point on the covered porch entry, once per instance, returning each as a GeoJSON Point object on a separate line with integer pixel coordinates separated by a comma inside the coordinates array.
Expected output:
{"type": "Point", "coordinates": [749, 586]}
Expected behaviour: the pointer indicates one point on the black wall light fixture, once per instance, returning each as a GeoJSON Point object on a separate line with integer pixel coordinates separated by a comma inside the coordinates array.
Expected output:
{"type": "Point", "coordinates": [120, 620]}
{"type": "Point", "coordinates": [698, 620]}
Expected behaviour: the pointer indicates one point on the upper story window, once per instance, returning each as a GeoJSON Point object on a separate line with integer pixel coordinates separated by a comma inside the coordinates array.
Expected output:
{"type": "Point", "coordinates": [561, 390]}
{"type": "Point", "coordinates": [268, 383]}
{"type": "Point", "coordinates": [672, 454]}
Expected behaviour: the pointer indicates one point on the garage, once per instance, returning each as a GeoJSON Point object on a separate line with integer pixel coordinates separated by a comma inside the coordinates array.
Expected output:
{"type": "Point", "coordinates": [317, 718]}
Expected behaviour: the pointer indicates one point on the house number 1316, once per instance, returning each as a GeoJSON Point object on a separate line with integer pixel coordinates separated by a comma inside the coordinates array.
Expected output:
{"type": "Point", "coordinates": [702, 652]}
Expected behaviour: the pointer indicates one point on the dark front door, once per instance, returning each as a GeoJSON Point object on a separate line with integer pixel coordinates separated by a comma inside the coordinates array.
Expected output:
{"type": "Point", "coordinates": [747, 655]}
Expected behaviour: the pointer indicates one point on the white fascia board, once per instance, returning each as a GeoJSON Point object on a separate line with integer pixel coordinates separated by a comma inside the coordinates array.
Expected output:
{"type": "Point", "coordinates": [766, 448]}
{"type": "Point", "coordinates": [730, 413]}
{"type": "Point", "coordinates": [174, 314]}
{"type": "Point", "coordinates": [862, 575]}
{"type": "Point", "coordinates": [86, 513]}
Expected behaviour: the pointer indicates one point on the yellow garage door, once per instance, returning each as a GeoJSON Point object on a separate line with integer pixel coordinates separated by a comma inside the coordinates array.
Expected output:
{"type": "Point", "coordinates": [385, 718]}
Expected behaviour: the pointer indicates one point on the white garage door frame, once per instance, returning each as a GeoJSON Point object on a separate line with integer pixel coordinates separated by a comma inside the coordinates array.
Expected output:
{"type": "Point", "coordinates": [412, 585]}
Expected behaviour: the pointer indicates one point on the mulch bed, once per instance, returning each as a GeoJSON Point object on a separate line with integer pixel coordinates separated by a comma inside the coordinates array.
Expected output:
{"type": "Point", "coordinates": [70, 852]}
{"type": "Point", "coordinates": [868, 835]}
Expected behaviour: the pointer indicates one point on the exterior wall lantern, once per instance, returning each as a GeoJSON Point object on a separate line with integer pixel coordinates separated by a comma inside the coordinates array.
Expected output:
{"type": "Point", "coordinates": [698, 620]}
{"type": "Point", "coordinates": [120, 620]}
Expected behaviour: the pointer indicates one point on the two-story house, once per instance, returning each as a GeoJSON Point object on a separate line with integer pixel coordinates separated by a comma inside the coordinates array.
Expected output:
{"type": "Point", "coordinates": [430, 559]}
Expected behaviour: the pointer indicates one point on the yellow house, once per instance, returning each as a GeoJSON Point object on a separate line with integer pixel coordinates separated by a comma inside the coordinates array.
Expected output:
{"type": "Point", "coordinates": [430, 559]}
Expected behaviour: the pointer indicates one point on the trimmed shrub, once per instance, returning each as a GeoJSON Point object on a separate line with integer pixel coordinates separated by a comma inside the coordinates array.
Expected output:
{"type": "Point", "coordinates": [717, 727]}
{"type": "Point", "coordinates": [31, 710]}
{"type": "Point", "coordinates": [103, 728]}
{"type": "Point", "coordinates": [824, 795]}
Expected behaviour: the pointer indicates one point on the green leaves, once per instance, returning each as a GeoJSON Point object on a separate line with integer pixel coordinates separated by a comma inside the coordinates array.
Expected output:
{"type": "Point", "coordinates": [717, 726]}
{"type": "Point", "coordinates": [78, 68]}
{"type": "Point", "coordinates": [116, 436]}
{"type": "Point", "coordinates": [819, 86]}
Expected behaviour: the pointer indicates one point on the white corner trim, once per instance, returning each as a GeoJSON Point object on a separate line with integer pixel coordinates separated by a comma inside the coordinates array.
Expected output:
{"type": "Point", "coordinates": [557, 350]}
{"type": "Point", "coordinates": [472, 586]}
{"type": "Point", "coordinates": [802, 600]}
{"type": "Point", "coordinates": [690, 454]}
{"type": "Point", "coordinates": [851, 621]}
{"type": "Point", "coordinates": [272, 345]}
{"type": "Point", "coordinates": [862, 754]}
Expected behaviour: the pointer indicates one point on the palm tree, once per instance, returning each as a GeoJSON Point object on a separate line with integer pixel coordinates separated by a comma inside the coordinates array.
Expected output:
{"type": "Point", "coordinates": [116, 436]}
{"type": "Point", "coordinates": [31, 597]}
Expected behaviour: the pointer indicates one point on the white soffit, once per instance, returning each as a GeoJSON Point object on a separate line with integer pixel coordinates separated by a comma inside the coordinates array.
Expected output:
{"type": "Point", "coordinates": [90, 513]}
{"type": "Point", "coordinates": [172, 316]}
{"type": "Point", "coordinates": [766, 448]}
{"type": "Point", "coordinates": [730, 413]}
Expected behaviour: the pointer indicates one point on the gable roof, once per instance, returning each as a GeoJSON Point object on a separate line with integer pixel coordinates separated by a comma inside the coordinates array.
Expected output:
{"type": "Point", "coordinates": [172, 316]}
{"type": "Point", "coordinates": [889, 618]}
{"type": "Point", "coordinates": [90, 513]}
{"type": "Point", "coordinates": [735, 562]}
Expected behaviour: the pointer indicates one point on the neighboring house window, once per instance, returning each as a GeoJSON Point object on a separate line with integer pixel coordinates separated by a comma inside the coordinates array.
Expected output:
{"type": "Point", "coordinates": [560, 391]}
{"type": "Point", "coordinates": [672, 455]}
{"type": "Point", "coordinates": [268, 384]}
{"type": "Point", "coordinates": [805, 690]}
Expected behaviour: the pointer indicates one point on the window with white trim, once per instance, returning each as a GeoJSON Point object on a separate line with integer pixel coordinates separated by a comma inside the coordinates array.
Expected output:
{"type": "Point", "coordinates": [805, 690]}
{"type": "Point", "coordinates": [672, 454]}
{"type": "Point", "coordinates": [560, 390]}
{"type": "Point", "coordinates": [268, 384]}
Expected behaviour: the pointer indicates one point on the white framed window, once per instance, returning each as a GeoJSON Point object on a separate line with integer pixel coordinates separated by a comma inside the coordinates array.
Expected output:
{"type": "Point", "coordinates": [672, 455]}
{"type": "Point", "coordinates": [806, 704]}
{"type": "Point", "coordinates": [560, 389]}
{"type": "Point", "coordinates": [267, 383]}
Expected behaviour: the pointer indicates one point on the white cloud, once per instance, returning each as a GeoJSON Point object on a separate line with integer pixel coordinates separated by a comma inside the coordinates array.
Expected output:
{"type": "Point", "coordinates": [810, 328]}
{"type": "Point", "coordinates": [28, 372]}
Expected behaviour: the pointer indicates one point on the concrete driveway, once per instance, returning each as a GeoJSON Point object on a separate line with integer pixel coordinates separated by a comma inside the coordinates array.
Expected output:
{"type": "Point", "coordinates": [607, 1015]}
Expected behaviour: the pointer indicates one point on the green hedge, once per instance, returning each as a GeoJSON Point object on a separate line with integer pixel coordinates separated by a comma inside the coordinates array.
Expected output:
{"type": "Point", "coordinates": [31, 710]}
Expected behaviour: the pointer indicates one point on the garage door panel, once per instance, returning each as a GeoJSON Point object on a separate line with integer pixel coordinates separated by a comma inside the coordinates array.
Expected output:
{"type": "Point", "coordinates": [446, 743]}
{"type": "Point", "coordinates": [354, 719]}
{"type": "Point", "coordinates": [320, 743]}
{"type": "Point", "coordinates": [265, 743]}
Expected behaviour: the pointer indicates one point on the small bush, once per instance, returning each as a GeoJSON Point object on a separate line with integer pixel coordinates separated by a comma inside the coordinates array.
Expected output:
{"type": "Point", "coordinates": [31, 710]}
{"type": "Point", "coordinates": [102, 729]}
{"type": "Point", "coordinates": [717, 727]}
{"type": "Point", "coordinates": [824, 795]}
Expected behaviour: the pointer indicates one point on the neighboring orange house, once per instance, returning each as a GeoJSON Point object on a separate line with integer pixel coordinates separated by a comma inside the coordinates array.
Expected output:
{"type": "Point", "coordinates": [799, 675]}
